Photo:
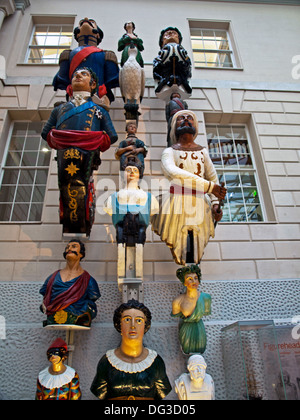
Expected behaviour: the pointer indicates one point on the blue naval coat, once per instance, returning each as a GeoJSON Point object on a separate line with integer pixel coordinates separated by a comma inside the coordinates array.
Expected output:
{"type": "Point", "coordinates": [87, 117]}
{"type": "Point", "coordinates": [106, 70]}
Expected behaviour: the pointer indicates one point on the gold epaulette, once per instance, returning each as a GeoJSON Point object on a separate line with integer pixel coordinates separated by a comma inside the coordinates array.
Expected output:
{"type": "Point", "coordinates": [111, 56]}
{"type": "Point", "coordinates": [64, 56]}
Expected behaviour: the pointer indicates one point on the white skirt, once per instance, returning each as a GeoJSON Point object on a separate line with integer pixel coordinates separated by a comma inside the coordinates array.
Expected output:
{"type": "Point", "coordinates": [177, 216]}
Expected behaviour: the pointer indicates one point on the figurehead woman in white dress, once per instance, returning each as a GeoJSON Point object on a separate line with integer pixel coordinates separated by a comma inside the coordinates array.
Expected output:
{"type": "Point", "coordinates": [192, 206]}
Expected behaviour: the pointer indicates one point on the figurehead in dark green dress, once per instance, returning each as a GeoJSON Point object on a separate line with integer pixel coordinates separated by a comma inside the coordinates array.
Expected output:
{"type": "Point", "coordinates": [132, 371]}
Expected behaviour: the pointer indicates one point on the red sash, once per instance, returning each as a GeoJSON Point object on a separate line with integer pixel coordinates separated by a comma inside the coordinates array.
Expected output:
{"type": "Point", "coordinates": [80, 56]}
{"type": "Point", "coordinates": [181, 190]}
{"type": "Point", "coordinates": [68, 297]}
{"type": "Point", "coordinates": [86, 140]}
{"type": "Point", "coordinates": [77, 60]}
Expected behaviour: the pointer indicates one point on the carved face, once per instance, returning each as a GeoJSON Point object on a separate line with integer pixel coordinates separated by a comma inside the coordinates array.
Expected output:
{"type": "Point", "coordinates": [82, 81]}
{"type": "Point", "coordinates": [87, 27]}
{"type": "Point", "coordinates": [170, 36]}
{"type": "Point", "coordinates": [191, 281]}
{"type": "Point", "coordinates": [131, 128]}
{"type": "Point", "coordinates": [133, 325]}
{"type": "Point", "coordinates": [72, 252]}
{"type": "Point", "coordinates": [197, 371]}
{"type": "Point", "coordinates": [185, 123]}
{"type": "Point", "coordinates": [132, 173]}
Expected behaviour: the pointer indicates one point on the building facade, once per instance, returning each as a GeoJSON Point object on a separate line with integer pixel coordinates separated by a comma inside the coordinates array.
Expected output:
{"type": "Point", "coordinates": [246, 94]}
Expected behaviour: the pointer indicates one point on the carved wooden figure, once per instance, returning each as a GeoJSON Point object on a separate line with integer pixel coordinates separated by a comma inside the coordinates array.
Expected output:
{"type": "Point", "coordinates": [132, 371]}
{"type": "Point", "coordinates": [190, 308]}
{"type": "Point", "coordinates": [88, 54]}
{"type": "Point", "coordinates": [132, 76]}
{"type": "Point", "coordinates": [172, 66]}
{"type": "Point", "coordinates": [131, 209]}
{"type": "Point", "coordinates": [186, 217]}
{"type": "Point", "coordinates": [58, 382]}
{"type": "Point", "coordinates": [70, 294]}
{"type": "Point", "coordinates": [79, 130]}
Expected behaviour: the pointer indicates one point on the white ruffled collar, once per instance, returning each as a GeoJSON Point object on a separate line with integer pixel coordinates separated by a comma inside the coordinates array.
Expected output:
{"type": "Point", "coordinates": [56, 381]}
{"type": "Point", "coordinates": [131, 367]}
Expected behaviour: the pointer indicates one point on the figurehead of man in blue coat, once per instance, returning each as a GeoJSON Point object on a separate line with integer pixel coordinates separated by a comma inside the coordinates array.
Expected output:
{"type": "Point", "coordinates": [104, 63]}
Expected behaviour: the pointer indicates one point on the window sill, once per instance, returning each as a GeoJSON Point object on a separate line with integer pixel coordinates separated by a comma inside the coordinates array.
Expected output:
{"type": "Point", "coordinates": [219, 68]}
{"type": "Point", "coordinates": [36, 65]}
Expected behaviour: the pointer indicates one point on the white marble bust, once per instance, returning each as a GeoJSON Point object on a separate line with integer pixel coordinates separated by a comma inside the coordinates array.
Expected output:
{"type": "Point", "coordinates": [197, 384]}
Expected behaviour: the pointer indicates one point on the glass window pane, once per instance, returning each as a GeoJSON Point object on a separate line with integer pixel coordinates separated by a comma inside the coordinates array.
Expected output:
{"type": "Point", "coordinates": [65, 40]}
{"type": "Point", "coordinates": [226, 214]}
{"type": "Point", "coordinates": [20, 213]}
{"type": "Point", "coordinates": [17, 143]}
{"type": "Point", "coordinates": [13, 158]}
{"type": "Point", "coordinates": [35, 212]}
{"type": "Point", "coordinates": [251, 195]}
{"type": "Point", "coordinates": [20, 129]}
{"type": "Point", "coordinates": [209, 44]}
{"type": "Point", "coordinates": [225, 59]}
{"type": "Point", "coordinates": [248, 179]}
{"type": "Point", "coordinates": [35, 129]}
{"type": "Point", "coordinates": [232, 179]}
{"type": "Point", "coordinates": [38, 194]}
{"type": "Point", "coordinates": [7, 194]}
{"type": "Point", "coordinates": [27, 176]}
{"type": "Point", "coordinates": [41, 177]}
{"type": "Point", "coordinates": [239, 133]}
{"type": "Point", "coordinates": [238, 213]}
{"type": "Point", "coordinates": [10, 177]}
{"type": "Point", "coordinates": [23, 194]}
{"type": "Point", "coordinates": [5, 211]}
{"type": "Point", "coordinates": [29, 158]}
{"type": "Point", "coordinates": [235, 196]}
{"type": "Point", "coordinates": [212, 59]}
{"type": "Point", "coordinates": [32, 143]}
{"type": "Point", "coordinates": [254, 213]}
{"type": "Point", "coordinates": [197, 43]}
{"type": "Point", "coordinates": [52, 39]}
{"type": "Point", "coordinates": [245, 160]}
{"type": "Point", "coordinates": [44, 158]}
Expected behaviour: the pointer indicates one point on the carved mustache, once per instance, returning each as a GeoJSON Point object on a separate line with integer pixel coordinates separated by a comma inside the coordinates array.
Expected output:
{"type": "Point", "coordinates": [73, 252]}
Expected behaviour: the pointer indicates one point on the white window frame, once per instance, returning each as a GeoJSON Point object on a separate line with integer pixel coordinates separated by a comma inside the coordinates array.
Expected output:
{"type": "Point", "coordinates": [59, 48]}
{"type": "Point", "coordinates": [226, 26]}
{"type": "Point", "coordinates": [239, 170]}
{"type": "Point", "coordinates": [4, 167]}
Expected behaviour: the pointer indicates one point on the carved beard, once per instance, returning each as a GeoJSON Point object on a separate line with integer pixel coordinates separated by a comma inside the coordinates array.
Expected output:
{"type": "Point", "coordinates": [183, 129]}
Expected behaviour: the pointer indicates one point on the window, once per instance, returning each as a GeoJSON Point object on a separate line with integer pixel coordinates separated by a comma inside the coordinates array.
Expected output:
{"type": "Point", "coordinates": [24, 174]}
{"type": "Point", "coordinates": [48, 42]}
{"type": "Point", "coordinates": [213, 46]}
{"type": "Point", "coordinates": [230, 150]}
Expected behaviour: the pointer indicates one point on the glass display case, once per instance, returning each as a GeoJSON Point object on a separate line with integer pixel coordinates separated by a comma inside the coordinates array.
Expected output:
{"type": "Point", "coordinates": [252, 361]}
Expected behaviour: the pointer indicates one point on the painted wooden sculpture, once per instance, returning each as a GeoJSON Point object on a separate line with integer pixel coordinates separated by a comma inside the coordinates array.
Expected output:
{"type": "Point", "coordinates": [70, 294]}
{"type": "Point", "coordinates": [131, 209]}
{"type": "Point", "coordinates": [172, 66]}
{"type": "Point", "coordinates": [79, 130]}
{"type": "Point", "coordinates": [131, 371]}
{"type": "Point", "coordinates": [132, 76]}
{"type": "Point", "coordinates": [185, 221]}
{"type": "Point", "coordinates": [58, 382]}
{"type": "Point", "coordinates": [190, 307]}
{"type": "Point", "coordinates": [88, 54]}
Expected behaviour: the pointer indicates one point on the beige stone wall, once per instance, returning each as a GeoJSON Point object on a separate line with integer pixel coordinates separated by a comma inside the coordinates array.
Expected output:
{"type": "Point", "coordinates": [239, 251]}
